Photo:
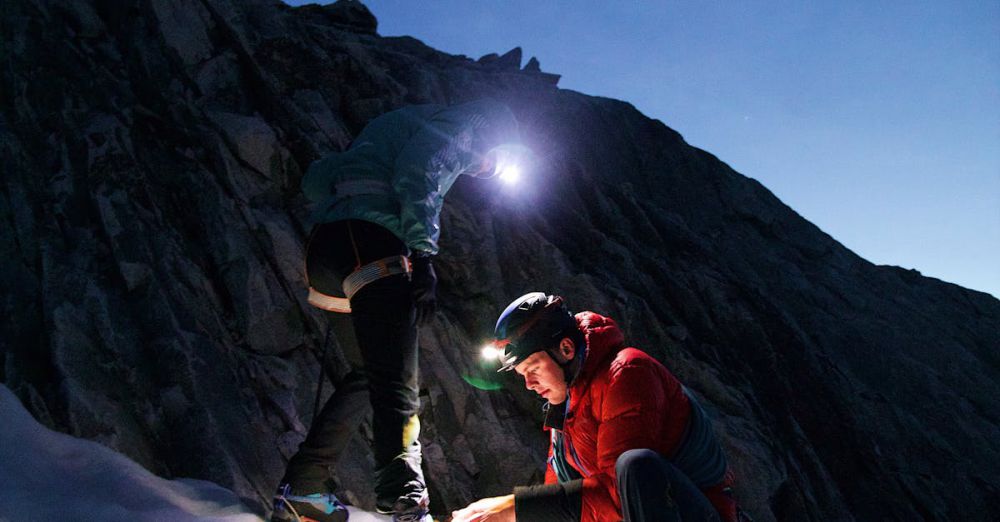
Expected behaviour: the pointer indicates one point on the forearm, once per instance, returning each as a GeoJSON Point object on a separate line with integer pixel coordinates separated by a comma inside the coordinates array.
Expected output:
{"type": "Point", "coordinates": [555, 502]}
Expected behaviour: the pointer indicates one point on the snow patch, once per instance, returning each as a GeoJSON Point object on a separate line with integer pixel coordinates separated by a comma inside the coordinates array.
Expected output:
{"type": "Point", "coordinates": [48, 476]}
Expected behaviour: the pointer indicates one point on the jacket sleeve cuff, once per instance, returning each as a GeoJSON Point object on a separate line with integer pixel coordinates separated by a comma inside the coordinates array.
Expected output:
{"type": "Point", "coordinates": [555, 502]}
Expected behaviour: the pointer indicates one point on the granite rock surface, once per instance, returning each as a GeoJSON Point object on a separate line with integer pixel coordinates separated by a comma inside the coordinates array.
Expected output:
{"type": "Point", "coordinates": [153, 290]}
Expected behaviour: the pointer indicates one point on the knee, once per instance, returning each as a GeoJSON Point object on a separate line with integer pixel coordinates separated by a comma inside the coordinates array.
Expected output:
{"type": "Point", "coordinates": [637, 461]}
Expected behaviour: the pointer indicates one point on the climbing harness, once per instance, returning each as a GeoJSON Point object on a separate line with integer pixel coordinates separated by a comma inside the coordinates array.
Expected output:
{"type": "Point", "coordinates": [374, 271]}
{"type": "Point", "coordinates": [363, 275]}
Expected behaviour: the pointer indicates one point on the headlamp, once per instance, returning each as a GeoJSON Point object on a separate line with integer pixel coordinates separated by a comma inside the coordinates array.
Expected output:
{"type": "Point", "coordinates": [492, 352]}
{"type": "Point", "coordinates": [502, 353]}
{"type": "Point", "coordinates": [484, 377]}
{"type": "Point", "coordinates": [508, 162]}
{"type": "Point", "coordinates": [509, 174]}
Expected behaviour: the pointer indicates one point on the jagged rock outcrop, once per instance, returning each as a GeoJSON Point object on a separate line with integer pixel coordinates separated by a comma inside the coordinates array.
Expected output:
{"type": "Point", "coordinates": [152, 275]}
{"type": "Point", "coordinates": [508, 60]}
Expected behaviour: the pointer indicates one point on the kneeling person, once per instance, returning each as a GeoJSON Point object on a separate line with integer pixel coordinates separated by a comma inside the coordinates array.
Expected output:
{"type": "Point", "coordinates": [627, 439]}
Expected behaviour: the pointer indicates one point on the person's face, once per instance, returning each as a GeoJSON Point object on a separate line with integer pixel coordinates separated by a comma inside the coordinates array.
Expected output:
{"type": "Point", "coordinates": [543, 376]}
{"type": "Point", "coordinates": [487, 166]}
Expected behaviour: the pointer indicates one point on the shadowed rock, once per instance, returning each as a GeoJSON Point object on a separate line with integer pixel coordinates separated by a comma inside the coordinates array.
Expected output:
{"type": "Point", "coordinates": [153, 287]}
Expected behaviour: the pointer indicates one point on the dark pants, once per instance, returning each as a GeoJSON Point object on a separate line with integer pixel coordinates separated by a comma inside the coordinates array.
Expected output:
{"type": "Point", "coordinates": [385, 326]}
{"type": "Point", "coordinates": [652, 489]}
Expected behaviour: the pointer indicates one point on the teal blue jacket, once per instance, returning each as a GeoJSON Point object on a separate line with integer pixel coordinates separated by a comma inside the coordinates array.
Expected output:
{"type": "Point", "coordinates": [399, 168]}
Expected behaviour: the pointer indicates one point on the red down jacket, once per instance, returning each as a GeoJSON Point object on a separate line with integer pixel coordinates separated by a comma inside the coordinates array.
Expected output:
{"type": "Point", "coordinates": [623, 399]}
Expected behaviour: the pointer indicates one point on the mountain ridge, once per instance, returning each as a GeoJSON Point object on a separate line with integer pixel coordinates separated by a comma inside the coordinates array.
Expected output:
{"type": "Point", "coordinates": [153, 233]}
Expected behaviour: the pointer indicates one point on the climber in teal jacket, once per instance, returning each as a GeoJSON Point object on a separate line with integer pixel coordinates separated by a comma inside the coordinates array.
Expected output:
{"type": "Point", "coordinates": [399, 168]}
{"type": "Point", "coordinates": [377, 209]}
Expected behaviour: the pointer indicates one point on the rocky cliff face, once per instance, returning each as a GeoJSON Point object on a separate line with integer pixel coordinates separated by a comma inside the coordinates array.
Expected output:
{"type": "Point", "coordinates": [153, 292]}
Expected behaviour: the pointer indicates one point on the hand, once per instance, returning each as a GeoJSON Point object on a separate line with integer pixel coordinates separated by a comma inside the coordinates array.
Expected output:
{"type": "Point", "coordinates": [424, 287]}
{"type": "Point", "coordinates": [496, 509]}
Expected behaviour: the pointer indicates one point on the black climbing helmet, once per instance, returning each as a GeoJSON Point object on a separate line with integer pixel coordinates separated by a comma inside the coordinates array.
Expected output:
{"type": "Point", "coordinates": [532, 323]}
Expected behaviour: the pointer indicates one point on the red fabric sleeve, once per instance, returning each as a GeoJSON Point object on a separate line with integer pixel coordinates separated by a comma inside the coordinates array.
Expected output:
{"type": "Point", "coordinates": [634, 404]}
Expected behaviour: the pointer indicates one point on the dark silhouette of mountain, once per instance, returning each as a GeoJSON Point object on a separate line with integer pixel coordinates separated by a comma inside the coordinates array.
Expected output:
{"type": "Point", "coordinates": [153, 287]}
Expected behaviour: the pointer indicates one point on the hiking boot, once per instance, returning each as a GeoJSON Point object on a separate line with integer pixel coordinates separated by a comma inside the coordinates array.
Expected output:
{"type": "Point", "coordinates": [313, 507]}
{"type": "Point", "coordinates": [408, 510]}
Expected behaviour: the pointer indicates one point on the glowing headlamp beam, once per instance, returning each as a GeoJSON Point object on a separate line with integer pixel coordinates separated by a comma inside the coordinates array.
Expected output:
{"type": "Point", "coordinates": [510, 174]}
{"type": "Point", "coordinates": [491, 352]}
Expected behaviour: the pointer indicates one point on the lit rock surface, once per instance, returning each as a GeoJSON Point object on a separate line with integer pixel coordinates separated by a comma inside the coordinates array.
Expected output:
{"type": "Point", "coordinates": [153, 288]}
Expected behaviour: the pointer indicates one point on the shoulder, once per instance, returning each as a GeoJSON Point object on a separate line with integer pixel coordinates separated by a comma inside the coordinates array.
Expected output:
{"type": "Point", "coordinates": [635, 369]}
{"type": "Point", "coordinates": [403, 120]}
{"type": "Point", "coordinates": [479, 113]}
{"type": "Point", "coordinates": [633, 358]}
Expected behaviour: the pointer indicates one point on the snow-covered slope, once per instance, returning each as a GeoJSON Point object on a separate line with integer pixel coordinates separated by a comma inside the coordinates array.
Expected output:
{"type": "Point", "coordinates": [46, 476]}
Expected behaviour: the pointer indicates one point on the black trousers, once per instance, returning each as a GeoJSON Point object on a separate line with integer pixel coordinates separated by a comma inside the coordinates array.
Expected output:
{"type": "Point", "coordinates": [384, 321]}
{"type": "Point", "coordinates": [653, 489]}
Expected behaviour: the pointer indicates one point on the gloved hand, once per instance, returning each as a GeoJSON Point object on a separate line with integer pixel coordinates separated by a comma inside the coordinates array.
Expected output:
{"type": "Point", "coordinates": [424, 287]}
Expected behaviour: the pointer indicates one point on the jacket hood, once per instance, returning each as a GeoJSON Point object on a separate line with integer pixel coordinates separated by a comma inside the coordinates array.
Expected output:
{"type": "Point", "coordinates": [604, 339]}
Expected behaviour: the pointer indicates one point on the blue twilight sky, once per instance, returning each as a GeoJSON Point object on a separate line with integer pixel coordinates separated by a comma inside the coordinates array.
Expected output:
{"type": "Point", "coordinates": [877, 121]}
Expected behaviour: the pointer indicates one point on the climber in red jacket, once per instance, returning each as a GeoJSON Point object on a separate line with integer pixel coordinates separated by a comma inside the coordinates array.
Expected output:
{"type": "Point", "coordinates": [627, 439]}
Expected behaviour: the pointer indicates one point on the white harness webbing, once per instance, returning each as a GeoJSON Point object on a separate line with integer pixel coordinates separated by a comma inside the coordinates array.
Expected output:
{"type": "Point", "coordinates": [357, 280]}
